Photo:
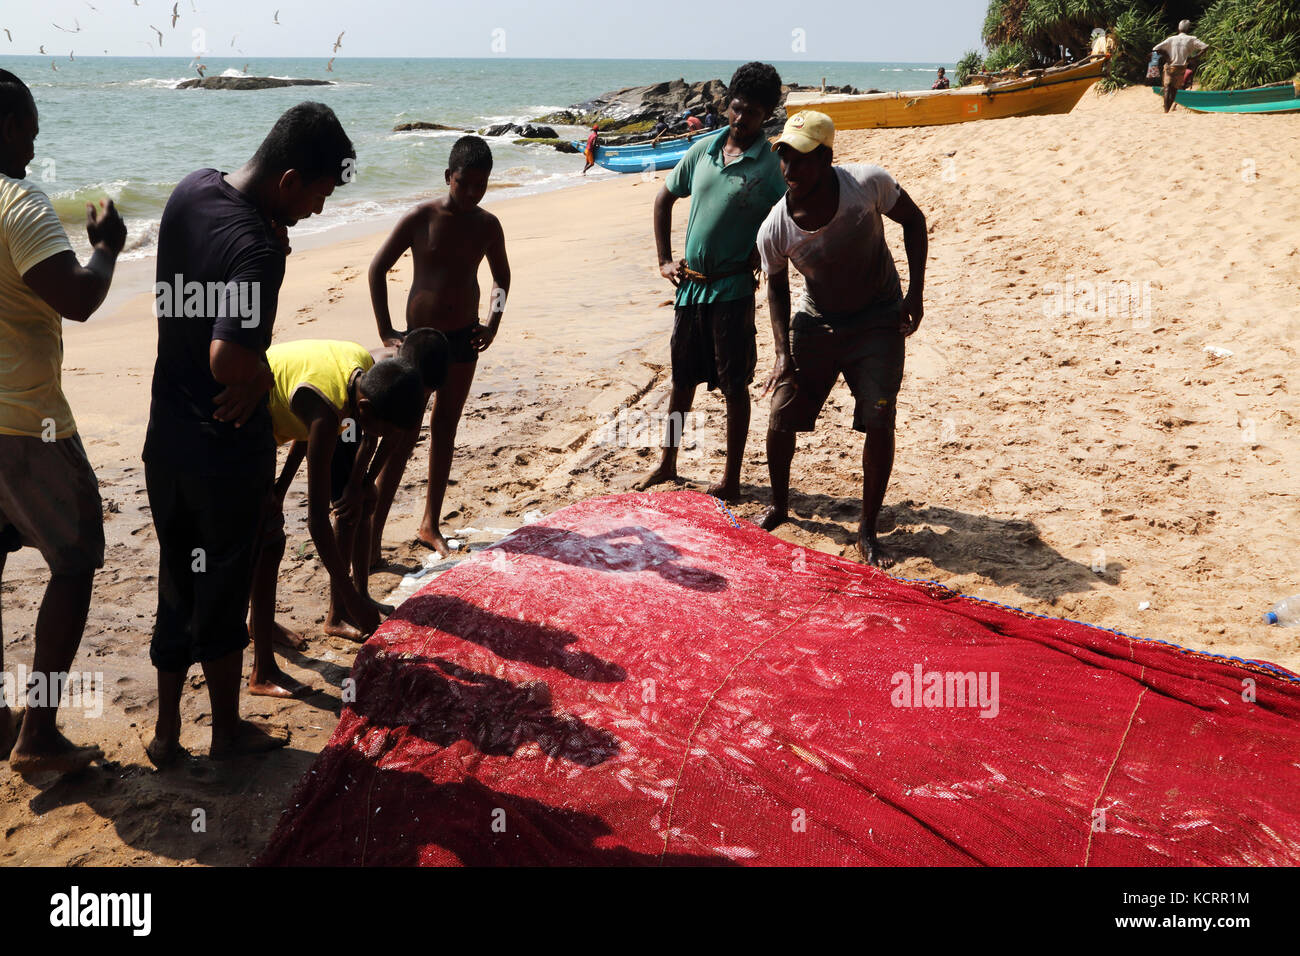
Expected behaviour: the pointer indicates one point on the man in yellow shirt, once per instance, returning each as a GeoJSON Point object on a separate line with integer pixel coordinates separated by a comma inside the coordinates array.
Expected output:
{"type": "Point", "coordinates": [333, 401]}
{"type": "Point", "coordinates": [49, 497]}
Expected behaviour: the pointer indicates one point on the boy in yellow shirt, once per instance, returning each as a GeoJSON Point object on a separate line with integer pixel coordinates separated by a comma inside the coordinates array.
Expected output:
{"type": "Point", "coordinates": [328, 397]}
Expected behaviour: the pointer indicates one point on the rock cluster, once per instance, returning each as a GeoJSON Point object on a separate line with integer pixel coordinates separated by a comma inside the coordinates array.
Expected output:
{"type": "Point", "coordinates": [246, 83]}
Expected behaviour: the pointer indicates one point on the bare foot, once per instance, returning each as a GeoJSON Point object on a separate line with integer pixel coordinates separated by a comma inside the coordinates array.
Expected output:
{"type": "Point", "coordinates": [341, 628]}
{"type": "Point", "coordinates": [661, 475]}
{"type": "Point", "coordinates": [773, 517]}
{"type": "Point", "coordinates": [873, 553]}
{"type": "Point", "coordinates": [288, 638]}
{"type": "Point", "coordinates": [58, 754]}
{"type": "Point", "coordinates": [276, 684]}
{"type": "Point", "coordinates": [249, 737]}
{"type": "Point", "coordinates": [433, 540]}
{"type": "Point", "coordinates": [10, 724]}
{"type": "Point", "coordinates": [164, 753]}
{"type": "Point", "coordinates": [727, 492]}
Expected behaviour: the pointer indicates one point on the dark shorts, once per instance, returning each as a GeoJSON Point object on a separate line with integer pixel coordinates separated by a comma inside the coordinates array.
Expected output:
{"type": "Point", "coordinates": [713, 343]}
{"type": "Point", "coordinates": [209, 532]}
{"type": "Point", "coordinates": [866, 348]}
{"type": "Point", "coordinates": [460, 342]}
{"type": "Point", "coordinates": [49, 500]}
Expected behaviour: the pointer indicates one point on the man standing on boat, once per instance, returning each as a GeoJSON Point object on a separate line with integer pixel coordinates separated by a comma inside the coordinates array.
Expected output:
{"type": "Point", "coordinates": [941, 82]}
{"type": "Point", "coordinates": [1179, 50]}
{"type": "Point", "coordinates": [853, 318]}
{"type": "Point", "coordinates": [733, 181]}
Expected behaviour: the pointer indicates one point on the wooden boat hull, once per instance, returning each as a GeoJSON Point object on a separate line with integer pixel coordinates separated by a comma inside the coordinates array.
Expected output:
{"type": "Point", "coordinates": [643, 157]}
{"type": "Point", "coordinates": [1030, 96]}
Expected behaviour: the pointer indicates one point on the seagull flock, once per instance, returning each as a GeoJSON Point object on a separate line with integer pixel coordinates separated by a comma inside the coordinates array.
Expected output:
{"type": "Point", "coordinates": [175, 18]}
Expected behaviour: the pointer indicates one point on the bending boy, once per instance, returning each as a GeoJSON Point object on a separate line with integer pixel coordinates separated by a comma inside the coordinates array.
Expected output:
{"type": "Point", "coordinates": [333, 400]}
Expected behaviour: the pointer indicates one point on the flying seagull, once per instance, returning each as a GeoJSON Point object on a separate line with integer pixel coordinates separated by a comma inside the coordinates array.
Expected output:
{"type": "Point", "coordinates": [71, 57]}
{"type": "Point", "coordinates": [157, 31]}
{"type": "Point", "coordinates": [339, 42]}
{"type": "Point", "coordinates": [53, 67]}
{"type": "Point", "coordinates": [42, 49]}
{"type": "Point", "coordinates": [329, 67]}
{"type": "Point", "coordinates": [175, 16]}
{"type": "Point", "coordinates": [9, 35]}
{"type": "Point", "coordinates": [75, 22]}
{"type": "Point", "coordinates": [276, 19]}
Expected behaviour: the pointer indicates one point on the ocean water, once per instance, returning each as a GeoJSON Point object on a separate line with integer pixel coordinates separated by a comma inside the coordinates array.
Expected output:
{"type": "Point", "coordinates": [117, 126]}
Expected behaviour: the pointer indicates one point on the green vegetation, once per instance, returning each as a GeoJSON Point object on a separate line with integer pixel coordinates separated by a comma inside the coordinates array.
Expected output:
{"type": "Point", "coordinates": [968, 64]}
{"type": "Point", "coordinates": [1252, 42]}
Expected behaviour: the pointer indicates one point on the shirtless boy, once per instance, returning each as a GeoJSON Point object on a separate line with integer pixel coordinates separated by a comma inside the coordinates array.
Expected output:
{"type": "Point", "coordinates": [448, 238]}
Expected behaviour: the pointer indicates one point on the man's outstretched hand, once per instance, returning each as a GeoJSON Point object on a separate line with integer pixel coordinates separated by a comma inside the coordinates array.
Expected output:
{"type": "Point", "coordinates": [104, 226]}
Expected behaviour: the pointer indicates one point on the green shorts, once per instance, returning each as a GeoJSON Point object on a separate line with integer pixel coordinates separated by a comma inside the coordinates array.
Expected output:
{"type": "Point", "coordinates": [865, 347]}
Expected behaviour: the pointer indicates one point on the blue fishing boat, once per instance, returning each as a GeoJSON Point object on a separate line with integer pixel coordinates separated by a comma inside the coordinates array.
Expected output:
{"type": "Point", "coordinates": [643, 157]}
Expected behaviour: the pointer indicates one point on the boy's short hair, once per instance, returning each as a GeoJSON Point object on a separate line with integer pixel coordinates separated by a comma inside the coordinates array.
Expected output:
{"type": "Point", "coordinates": [757, 82]}
{"type": "Point", "coordinates": [15, 97]}
{"type": "Point", "coordinates": [309, 139]}
{"type": "Point", "coordinates": [470, 152]}
{"type": "Point", "coordinates": [429, 353]}
{"type": "Point", "coordinates": [395, 392]}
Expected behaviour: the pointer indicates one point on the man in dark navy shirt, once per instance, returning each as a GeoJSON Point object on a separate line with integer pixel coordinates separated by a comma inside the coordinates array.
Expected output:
{"type": "Point", "coordinates": [209, 452]}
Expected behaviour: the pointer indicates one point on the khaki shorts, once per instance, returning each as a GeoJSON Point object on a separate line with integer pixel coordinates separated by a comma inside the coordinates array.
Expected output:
{"type": "Point", "coordinates": [49, 500]}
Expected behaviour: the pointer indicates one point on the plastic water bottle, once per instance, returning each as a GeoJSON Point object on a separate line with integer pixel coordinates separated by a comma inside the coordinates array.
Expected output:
{"type": "Point", "coordinates": [1286, 613]}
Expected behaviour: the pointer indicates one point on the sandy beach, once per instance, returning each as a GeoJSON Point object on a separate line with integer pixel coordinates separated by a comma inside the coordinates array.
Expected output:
{"type": "Point", "coordinates": [1133, 464]}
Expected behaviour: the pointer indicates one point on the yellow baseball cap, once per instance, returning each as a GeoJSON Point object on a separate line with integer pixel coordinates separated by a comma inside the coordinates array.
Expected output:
{"type": "Point", "coordinates": [807, 130]}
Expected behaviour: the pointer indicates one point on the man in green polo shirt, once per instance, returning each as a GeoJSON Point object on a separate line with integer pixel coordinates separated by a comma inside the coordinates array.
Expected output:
{"type": "Point", "coordinates": [733, 181]}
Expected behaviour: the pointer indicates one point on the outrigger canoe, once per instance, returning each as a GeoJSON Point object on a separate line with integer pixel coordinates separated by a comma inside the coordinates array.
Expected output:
{"type": "Point", "coordinates": [1275, 98]}
{"type": "Point", "coordinates": [1031, 93]}
{"type": "Point", "coordinates": [643, 157]}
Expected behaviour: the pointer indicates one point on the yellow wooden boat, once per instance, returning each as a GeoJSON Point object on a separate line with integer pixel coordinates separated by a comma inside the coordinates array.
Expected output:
{"type": "Point", "coordinates": [1029, 93]}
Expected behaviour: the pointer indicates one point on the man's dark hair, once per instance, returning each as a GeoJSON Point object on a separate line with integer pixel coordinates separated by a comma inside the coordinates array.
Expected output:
{"type": "Point", "coordinates": [757, 82]}
{"type": "Point", "coordinates": [15, 97]}
{"type": "Point", "coordinates": [470, 152]}
{"type": "Point", "coordinates": [308, 138]}
{"type": "Point", "coordinates": [395, 392]}
{"type": "Point", "coordinates": [428, 352]}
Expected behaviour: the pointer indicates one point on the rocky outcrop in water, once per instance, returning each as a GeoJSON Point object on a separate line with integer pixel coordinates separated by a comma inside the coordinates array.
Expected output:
{"type": "Point", "coordinates": [421, 125]}
{"type": "Point", "coordinates": [246, 83]}
{"type": "Point", "coordinates": [636, 109]}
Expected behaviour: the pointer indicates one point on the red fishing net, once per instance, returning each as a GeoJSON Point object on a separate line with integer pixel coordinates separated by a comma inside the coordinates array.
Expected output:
{"type": "Point", "coordinates": [640, 679]}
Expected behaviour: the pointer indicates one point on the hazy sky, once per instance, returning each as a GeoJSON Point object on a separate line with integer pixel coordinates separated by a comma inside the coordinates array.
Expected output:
{"type": "Point", "coordinates": [866, 30]}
